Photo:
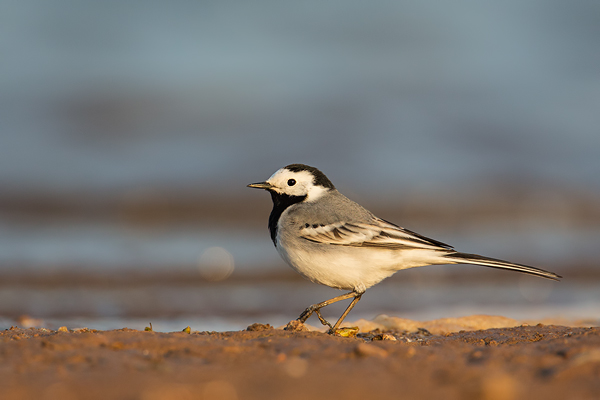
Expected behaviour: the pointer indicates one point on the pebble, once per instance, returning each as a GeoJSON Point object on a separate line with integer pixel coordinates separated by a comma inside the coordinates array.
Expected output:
{"type": "Point", "coordinates": [385, 336]}
{"type": "Point", "coordinates": [295, 325]}
{"type": "Point", "coordinates": [256, 327]}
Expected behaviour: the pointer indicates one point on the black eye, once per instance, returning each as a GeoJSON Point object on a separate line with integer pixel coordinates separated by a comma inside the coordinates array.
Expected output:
{"type": "Point", "coordinates": [291, 182]}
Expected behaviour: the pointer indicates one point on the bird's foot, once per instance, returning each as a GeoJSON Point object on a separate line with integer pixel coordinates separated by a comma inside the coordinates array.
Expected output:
{"type": "Point", "coordinates": [314, 309]}
{"type": "Point", "coordinates": [306, 314]}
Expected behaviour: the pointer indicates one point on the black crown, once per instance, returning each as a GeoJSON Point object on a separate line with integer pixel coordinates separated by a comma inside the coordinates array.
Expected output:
{"type": "Point", "coordinates": [320, 178]}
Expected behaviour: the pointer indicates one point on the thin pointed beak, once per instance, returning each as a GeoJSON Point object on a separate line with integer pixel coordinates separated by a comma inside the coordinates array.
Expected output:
{"type": "Point", "coordinates": [261, 185]}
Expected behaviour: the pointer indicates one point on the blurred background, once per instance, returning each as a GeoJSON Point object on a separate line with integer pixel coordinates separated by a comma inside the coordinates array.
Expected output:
{"type": "Point", "coordinates": [128, 131]}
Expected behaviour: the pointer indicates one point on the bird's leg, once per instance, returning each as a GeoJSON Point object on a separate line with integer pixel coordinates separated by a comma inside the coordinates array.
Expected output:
{"type": "Point", "coordinates": [357, 297]}
{"type": "Point", "coordinates": [315, 308]}
{"type": "Point", "coordinates": [323, 320]}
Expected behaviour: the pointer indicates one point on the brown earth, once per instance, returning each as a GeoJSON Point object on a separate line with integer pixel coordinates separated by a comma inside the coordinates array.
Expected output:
{"type": "Point", "coordinates": [532, 362]}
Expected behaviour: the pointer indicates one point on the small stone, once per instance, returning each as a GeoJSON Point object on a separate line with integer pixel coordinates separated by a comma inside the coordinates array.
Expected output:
{"type": "Point", "coordinates": [423, 331]}
{"type": "Point", "coordinates": [296, 326]}
{"type": "Point", "coordinates": [256, 327]}
{"type": "Point", "coordinates": [63, 329]}
{"type": "Point", "coordinates": [384, 336]}
{"type": "Point", "coordinates": [349, 331]}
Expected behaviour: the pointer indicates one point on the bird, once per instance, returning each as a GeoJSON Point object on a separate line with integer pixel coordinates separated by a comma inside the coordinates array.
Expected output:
{"type": "Point", "coordinates": [331, 240]}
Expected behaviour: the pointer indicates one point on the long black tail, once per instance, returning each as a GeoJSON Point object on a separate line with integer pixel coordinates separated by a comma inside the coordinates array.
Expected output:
{"type": "Point", "coordinates": [465, 258]}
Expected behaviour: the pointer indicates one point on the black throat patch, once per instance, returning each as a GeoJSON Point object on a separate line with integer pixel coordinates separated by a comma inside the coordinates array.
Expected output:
{"type": "Point", "coordinates": [280, 203]}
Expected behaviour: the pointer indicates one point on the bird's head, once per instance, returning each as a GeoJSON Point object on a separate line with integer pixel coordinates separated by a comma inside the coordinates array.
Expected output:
{"type": "Point", "coordinates": [297, 180]}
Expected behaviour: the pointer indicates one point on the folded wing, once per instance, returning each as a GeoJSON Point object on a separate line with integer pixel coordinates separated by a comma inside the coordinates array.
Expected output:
{"type": "Point", "coordinates": [376, 233]}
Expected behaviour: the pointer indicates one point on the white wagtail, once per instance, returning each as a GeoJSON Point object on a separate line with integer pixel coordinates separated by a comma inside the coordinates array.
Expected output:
{"type": "Point", "coordinates": [331, 240]}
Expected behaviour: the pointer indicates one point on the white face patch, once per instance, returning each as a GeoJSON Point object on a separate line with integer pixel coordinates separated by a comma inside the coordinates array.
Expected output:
{"type": "Point", "coordinates": [296, 184]}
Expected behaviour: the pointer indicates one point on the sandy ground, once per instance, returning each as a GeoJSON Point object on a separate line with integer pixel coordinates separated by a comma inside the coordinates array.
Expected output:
{"type": "Point", "coordinates": [533, 362]}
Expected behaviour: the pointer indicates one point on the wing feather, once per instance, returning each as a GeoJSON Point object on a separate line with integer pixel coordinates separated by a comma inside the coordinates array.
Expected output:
{"type": "Point", "coordinates": [375, 233]}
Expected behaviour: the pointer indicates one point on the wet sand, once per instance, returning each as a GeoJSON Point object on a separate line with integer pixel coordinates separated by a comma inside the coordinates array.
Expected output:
{"type": "Point", "coordinates": [533, 362]}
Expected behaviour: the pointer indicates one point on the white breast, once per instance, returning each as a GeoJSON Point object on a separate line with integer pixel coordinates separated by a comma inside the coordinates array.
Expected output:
{"type": "Point", "coordinates": [348, 268]}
